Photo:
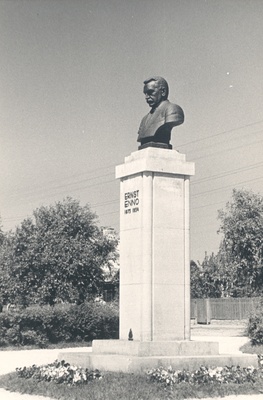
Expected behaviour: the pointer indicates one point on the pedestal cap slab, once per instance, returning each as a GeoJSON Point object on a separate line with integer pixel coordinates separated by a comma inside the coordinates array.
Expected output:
{"type": "Point", "coordinates": [155, 160]}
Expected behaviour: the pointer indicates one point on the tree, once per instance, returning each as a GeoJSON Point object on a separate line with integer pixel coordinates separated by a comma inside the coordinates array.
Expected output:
{"type": "Point", "coordinates": [2, 235]}
{"type": "Point", "coordinates": [196, 280]}
{"type": "Point", "coordinates": [241, 249]}
{"type": "Point", "coordinates": [205, 278]}
{"type": "Point", "coordinates": [58, 255]}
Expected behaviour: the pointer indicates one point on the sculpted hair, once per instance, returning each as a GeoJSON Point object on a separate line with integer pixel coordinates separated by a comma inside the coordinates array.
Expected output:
{"type": "Point", "coordinates": [161, 82]}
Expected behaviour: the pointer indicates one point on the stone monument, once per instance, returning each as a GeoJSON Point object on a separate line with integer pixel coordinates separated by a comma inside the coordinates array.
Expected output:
{"type": "Point", "coordinates": [154, 255]}
{"type": "Point", "coordinates": [154, 227]}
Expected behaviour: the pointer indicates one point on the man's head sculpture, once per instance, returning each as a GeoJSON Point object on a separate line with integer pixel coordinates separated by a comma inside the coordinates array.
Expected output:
{"type": "Point", "coordinates": [155, 87]}
{"type": "Point", "coordinates": [155, 128]}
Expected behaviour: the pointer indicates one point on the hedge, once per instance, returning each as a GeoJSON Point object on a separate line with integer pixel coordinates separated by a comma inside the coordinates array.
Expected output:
{"type": "Point", "coordinates": [71, 323]}
{"type": "Point", "coordinates": [255, 325]}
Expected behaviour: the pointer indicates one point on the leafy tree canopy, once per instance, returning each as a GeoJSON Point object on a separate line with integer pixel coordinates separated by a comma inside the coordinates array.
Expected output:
{"type": "Point", "coordinates": [237, 269]}
{"type": "Point", "coordinates": [205, 278]}
{"type": "Point", "coordinates": [58, 255]}
{"type": "Point", "coordinates": [241, 249]}
{"type": "Point", "coordinates": [2, 235]}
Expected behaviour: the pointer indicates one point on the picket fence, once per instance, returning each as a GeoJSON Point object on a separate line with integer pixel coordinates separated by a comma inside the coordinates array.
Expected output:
{"type": "Point", "coordinates": [203, 310]}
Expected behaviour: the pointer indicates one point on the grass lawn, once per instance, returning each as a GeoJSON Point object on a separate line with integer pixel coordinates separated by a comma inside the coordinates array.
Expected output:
{"type": "Point", "coordinates": [248, 348]}
{"type": "Point", "coordinates": [120, 386]}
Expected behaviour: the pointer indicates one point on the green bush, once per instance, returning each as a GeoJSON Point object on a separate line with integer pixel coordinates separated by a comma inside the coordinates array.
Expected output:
{"type": "Point", "coordinates": [31, 337]}
{"type": "Point", "coordinates": [255, 325]}
{"type": "Point", "coordinates": [12, 335]}
{"type": "Point", "coordinates": [56, 324]}
{"type": "Point", "coordinates": [96, 321]}
{"type": "Point", "coordinates": [41, 325]}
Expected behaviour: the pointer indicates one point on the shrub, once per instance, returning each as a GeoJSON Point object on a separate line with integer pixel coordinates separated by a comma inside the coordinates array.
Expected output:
{"type": "Point", "coordinates": [56, 324]}
{"type": "Point", "coordinates": [96, 321]}
{"type": "Point", "coordinates": [12, 335]}
{"type": "Point", "coordinates": [31, 337]}
{"type": "Point", "coordinates": [255, 325]}
{"type": "Point", "coordinates": [40, 325]}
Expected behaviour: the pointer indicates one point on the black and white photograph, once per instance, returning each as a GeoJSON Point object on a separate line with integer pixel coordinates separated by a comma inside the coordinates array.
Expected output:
{"type": "Point", "coordinates": [131, 199]}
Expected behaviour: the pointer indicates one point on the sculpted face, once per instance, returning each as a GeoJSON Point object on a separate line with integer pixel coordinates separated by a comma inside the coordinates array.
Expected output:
{"type": "Point", "coordinates": [154, 93]}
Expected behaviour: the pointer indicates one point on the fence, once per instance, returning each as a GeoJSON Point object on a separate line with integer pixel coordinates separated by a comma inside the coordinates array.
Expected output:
{"type": "Point", "coordinates": [203, 310]}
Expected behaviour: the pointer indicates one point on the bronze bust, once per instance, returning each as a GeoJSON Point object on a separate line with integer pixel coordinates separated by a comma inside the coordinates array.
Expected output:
{"type": "Point", "coordinates": [155, 128]}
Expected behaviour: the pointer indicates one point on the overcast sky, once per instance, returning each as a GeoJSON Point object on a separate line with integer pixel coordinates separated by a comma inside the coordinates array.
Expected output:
{"type": "Point", "coordinates": [71, 76]}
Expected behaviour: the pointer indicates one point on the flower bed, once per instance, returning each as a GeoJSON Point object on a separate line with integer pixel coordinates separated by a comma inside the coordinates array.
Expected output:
{"type": "Point", "coordinates": [59, 372]}
{"type": "Point", "coordinates": [62, 372]}
{"type": "Point", "coordinates": [222, 375]}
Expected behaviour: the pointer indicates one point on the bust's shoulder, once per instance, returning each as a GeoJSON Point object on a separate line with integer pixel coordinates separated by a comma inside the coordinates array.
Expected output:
{"type": "Point", "coordinates": [173, 112]}
{"type": "Point", "coordinates": [171, 107]}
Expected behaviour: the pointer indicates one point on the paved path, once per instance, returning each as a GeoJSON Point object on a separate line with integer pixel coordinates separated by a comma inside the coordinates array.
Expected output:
{"type": "Point", "coordinates": [5, 395]}
{"type": "Point", "coordinates": [227, 345]}
{"type": "Point", "coordinates": [10, 360]}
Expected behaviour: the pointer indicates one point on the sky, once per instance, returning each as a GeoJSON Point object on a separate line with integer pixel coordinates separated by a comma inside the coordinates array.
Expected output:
{"type": "Point", "coordinates": [71, 100]}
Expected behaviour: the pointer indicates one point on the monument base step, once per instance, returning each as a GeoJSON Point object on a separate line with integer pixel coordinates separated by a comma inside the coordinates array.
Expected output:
{"type": "Point", "coordinates": [136, 356]}
{"type": "Point", "coordinates": [149, 349]}
{"type": "Point", "coordinates": [125, 363]}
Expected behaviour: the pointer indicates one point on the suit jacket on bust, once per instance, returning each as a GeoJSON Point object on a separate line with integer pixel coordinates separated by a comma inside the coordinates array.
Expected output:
{"type": "Point", "coordinates": [162, 119]}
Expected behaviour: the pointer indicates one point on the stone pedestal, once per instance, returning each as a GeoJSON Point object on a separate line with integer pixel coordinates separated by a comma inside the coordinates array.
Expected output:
{"type": "Point", "coordinates": [136, 356]}
{"type": "Point", "coordinates": [154, 245]}
{"type": "Point", "coordinates": [154, 273]}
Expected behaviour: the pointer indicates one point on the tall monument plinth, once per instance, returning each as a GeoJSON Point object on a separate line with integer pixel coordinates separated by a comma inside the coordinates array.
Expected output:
{"type": "Point", "coordinates": [154, 245]}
